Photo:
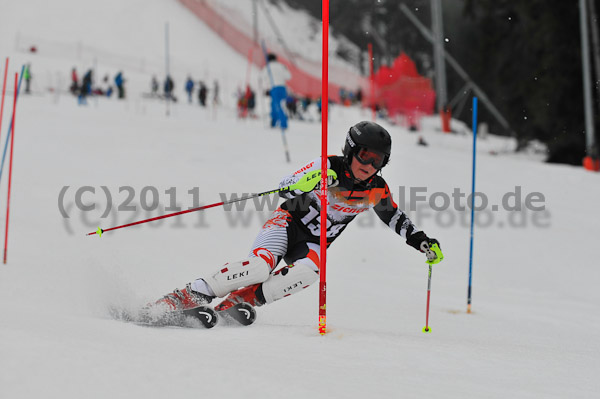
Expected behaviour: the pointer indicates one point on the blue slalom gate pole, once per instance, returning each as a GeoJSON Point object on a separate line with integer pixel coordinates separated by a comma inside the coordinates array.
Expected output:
{"type": "Point", "coordinates": [472, 203]}
{"type": "Point", "coordinates": [10, 126]}
{"type": "Point", "coordinates": [285, 145]}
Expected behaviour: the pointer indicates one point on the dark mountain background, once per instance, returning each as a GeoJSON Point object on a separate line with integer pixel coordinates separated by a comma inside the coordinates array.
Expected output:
{"type": "Point", "coordinates": [526, 56]}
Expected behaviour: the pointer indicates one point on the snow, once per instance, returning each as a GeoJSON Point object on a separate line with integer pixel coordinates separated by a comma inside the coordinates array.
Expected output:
{"type": "Point", "coordinates": [533, 332]}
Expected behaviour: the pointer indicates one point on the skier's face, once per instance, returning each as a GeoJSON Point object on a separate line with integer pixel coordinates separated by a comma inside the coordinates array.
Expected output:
{"type": "Point", "coordinates": [360, 171]}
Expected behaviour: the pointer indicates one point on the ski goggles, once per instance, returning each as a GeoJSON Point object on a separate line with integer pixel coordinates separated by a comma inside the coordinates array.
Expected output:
{"type": "Point", "coordinates": [367, 156]}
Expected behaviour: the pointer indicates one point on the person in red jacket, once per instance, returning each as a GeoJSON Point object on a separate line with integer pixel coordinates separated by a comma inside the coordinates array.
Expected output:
{"type": "Point", "coordinates": [74, 82]}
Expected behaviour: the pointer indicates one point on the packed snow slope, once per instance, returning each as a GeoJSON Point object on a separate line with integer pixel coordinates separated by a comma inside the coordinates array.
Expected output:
{"type": "Point", "coordinates": [534, 327]}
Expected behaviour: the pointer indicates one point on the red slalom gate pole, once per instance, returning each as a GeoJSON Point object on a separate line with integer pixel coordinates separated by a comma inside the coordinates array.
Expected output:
{"type": "Point", "coordinates": [323, 240]}
{"type": "Point", "coordinates": [12, 144]}
{"type": "Point", "coordinates": [3, 93]}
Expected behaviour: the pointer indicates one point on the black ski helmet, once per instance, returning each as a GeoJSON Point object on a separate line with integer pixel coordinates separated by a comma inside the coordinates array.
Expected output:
{"type": "Point", "coordinates": [369, 135]}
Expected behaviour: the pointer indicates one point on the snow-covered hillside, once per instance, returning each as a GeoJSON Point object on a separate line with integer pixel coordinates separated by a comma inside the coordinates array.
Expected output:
{"type": "Point", "coordinates": [295, 32]}
{"type": "Point", "coordinates": [533, 332]}
{"type": "Point", "coordinates": [130, 37]}
{"type": "Point", "coordinates": [113, 36]}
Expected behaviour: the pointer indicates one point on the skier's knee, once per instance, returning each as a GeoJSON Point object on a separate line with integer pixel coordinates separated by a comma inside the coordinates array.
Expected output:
{"type": "Point", "coordinates": [289, 280]}
{"type": "Point", "coordinates": [311, 260]}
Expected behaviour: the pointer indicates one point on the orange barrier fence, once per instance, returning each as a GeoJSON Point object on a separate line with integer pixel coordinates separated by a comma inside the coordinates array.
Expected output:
{"type": "Point", "coordinates": [399, 88]}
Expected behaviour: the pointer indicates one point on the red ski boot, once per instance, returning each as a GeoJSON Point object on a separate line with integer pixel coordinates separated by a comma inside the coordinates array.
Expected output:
{"type": "Point", "coordinates": [251, 294]}
{"type": "Point", "coordinates": [183, 299]}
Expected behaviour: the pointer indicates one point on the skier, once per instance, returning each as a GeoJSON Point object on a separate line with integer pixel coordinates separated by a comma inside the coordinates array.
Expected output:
{"type": "Point", "coordinates": [293, 231]}
{"type": "Point", "coordinates": [277, 74]}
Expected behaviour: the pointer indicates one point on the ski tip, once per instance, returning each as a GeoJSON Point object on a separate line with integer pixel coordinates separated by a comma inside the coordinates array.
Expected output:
{"type": "Point", "coordinates": [426, 329]}
{"type": "Point", "coordinates": [206, 315]}
{"type": "Point", "coordinates": [242, 313]}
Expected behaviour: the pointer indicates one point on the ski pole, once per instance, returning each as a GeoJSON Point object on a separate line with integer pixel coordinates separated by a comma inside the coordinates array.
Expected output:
{"type": "Point", "coordinates": [434, 255]}
{"type": "Point", "coordinates": [99, 231]}
{"type": "Point", "coordinates": [427, 329]}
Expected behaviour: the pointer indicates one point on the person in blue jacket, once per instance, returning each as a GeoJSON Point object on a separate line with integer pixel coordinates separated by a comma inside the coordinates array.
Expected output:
{"type": "Point", "coordinates": [119, 83]}
{"type": "Point", "coordinates": [277, 75]}
{"type": "Point", "coordinates": [189, 88]}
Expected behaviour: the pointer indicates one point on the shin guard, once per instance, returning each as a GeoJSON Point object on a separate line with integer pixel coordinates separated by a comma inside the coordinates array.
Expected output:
{"type": "Point", "coordinates": [239, 274]}
{"type": "Point", "coordinates": [288, 281]}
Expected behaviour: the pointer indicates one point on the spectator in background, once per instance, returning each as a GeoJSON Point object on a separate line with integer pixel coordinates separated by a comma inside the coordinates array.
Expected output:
{"type": "Point", "coordinates": [306, 101]}
{"type": "Point", "coordinates": [251, 101]}
{"type": "Point", "coordinates": [107, 86]}
{"type": "Point", "coordinates": [168, 88]}
{"type": "Point", "coordinates": [291, 103]}
{"type": "Point", "coordinates": [86, 87]}
{"type": "Point", "coordinates": [342, 95]}
{"type": "Point", "coordinates": [216, 93]}
{"type": "Point", "coordinates": [120, 83]}
{"type": "Point", "coordinates": [359, 95]}
{"type": "Point", "coordinates": [277, 74]}
{"type": "Point", "coordinates": [154, 86]}
{"type": "Point", "coordinates": [74, 82]}
{"type": "Point", "coordinates": [27, 77]}
{"type": "Point", "coordinates": [246, 103]}
{"type": "Point", "coordinates": [242, 103]}
{"type": "Point", "coordinates": [351, 97]}
{"type": "Point", "coordinates": [189, 88]}
{"type": "Point", "coordinates": [202, 93]}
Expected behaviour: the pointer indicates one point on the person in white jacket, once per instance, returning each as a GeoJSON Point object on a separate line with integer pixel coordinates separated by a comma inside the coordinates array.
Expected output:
{"type": "Point", "coordinates": [277, 75]}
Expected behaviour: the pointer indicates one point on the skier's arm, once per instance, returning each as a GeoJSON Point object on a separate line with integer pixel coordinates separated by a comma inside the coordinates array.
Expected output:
{"type": "Point", "coordinates": [396, 219]}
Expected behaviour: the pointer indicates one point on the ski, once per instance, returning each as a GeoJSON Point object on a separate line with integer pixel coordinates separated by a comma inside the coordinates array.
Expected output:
{"type": "Point", "coordinates": [202, 316]}
{"type": "Point", "coordinates": [242, 313]}
{"type": "Point", "coordinates": [206, 315]}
